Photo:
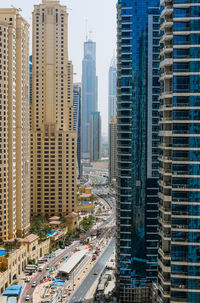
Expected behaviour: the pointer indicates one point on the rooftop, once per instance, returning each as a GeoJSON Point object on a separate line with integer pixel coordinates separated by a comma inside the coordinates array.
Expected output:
{"type": "Point", "coordinates": [85, 195]}
{"type": "Point", "coordinates": [55, 223]}
{"type": "Point", "coordinates": [47, 1]}
{"type": "Point", "coordinates": [72, 215]}
{"type": "Point", "coordinates": [71, 262]}
{"type": "Point", "coordinates": [13, 291]}
{"type": "Point", "coordinates": [55, 218]}
{"type": "Point", "coordinates": [29, 238]}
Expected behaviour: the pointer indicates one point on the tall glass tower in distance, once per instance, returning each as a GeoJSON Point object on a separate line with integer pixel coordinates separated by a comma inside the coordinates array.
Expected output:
{"type": "Point", "coordinates": [89, 93]}
{"type": "Point", "coordinates": [112, 97]}
{"type": "Point", "coordinates": [179, 252]}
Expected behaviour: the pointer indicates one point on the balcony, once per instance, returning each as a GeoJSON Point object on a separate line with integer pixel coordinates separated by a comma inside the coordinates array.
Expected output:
{"type": "Point", "coordinates": [179, 300]}
{"type": "Point", "coordinates": [163, 267]}
{"type": "Point", "coordinates": [166, 24]}
{"type": "Point", "coordinates": [168, 10]}
{"type": "Point", "coordinates": [164, 184]}
{"type": "Point", "coordinates": [165, 211]}
{"type": "Point", "coordinates": [166, 37]}
{"type": "Point", "coordinates": [166, 49]}
{"type": "Point", "coordinates": [165, 159]}
{"type": "Point", "coordinates": [164, 255]}
{"type": "Point", "coordinates": [166, 172]}
{"type": "Point", "coordinates": [166, 120]}
{"type": "Point", "coordinates": [165, 223]}
{"type": "Point", "coordinates": [166, 62]}
{"type": "Point", "coordinates": [164, 197]}
{"type": "Point", "coordinates": [165, 133]}
{"type": "Point", "coordinates": [165, 294]}
{"type": "Point", "coordinates": [163, 2]}
{"type": "Point", "coordinates": [166, 75]}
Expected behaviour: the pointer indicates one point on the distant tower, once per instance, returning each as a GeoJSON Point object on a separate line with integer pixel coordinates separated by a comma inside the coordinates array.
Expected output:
{"type": "Point", "coordinates": [95, 137]}
{"type": "Point", "coordinates": [112, 150]}
{"type": "Point", "coordinates": [77, 123]}
{"type": "Point", "coordinates": [89, 93]}
{"type": "Point", "coordinates": [112, 97]}
{"type": "Point", "coordinates": [112, 126]}
{"type": "Point", "coordinates": [14, 125]}
{"type": "Point", "coordinates": [53, 153]}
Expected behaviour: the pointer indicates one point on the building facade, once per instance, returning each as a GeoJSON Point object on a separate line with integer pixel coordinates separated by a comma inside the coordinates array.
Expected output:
{"type": "Point", "coordinates": [134, 222]}
{"type": "Point", "coordinates": [179, 252]}
{"type": "Point", "coordinates": [153, 140]}
{"type": "Point", "coordinates": [77, 123]}
{"type": "Point", "coordinates": [95, 137]}
{"type": "Point", "coordinates": [112, 97]}
{"type": "Point", "coordinates": [14, 125]}
{"type": "Point", "coordinates": [89, 93]}
{"type": "Point", "coordinates": [53, 140]}
{"type": "Point", "coordinates": [112, 152]}
{"type": "Point", "coordinates": [30, 78]}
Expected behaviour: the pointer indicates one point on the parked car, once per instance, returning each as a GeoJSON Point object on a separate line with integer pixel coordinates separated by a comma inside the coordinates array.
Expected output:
{"type": "Point", "coordinates": [34, 284]}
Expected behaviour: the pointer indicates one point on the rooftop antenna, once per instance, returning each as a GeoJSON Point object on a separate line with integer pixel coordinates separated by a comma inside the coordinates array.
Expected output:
{"type": "Point", "coordinates": [86, 29]}
{"type": "Point", "coordinates": [90, 34]}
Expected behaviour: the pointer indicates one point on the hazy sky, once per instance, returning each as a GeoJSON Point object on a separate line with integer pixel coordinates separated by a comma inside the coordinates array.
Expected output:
{"type": "Point", "coordinates": [101, 20]}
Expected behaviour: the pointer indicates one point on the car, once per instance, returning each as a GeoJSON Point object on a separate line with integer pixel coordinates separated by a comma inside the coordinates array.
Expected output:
{"type": "Point", "coordinates": [27, 280]}
{"type": "Point", "coordinates": [34, 284]}
{"type": "Point", "coordinates": [27, 298]}
{"type": "Point", "coordinates": [95, 272]}
{"type": "Point", "coordinates": [48, 267]}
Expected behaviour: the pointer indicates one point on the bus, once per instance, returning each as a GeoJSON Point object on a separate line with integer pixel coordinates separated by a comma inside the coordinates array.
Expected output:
{"type": "Point", "coordinates": [30, 268]}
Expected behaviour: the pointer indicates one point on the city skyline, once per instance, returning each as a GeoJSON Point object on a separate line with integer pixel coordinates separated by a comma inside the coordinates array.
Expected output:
{"type": "Point", "coordinates": [83, 218]}
{"type": "Point", "coordinates": [103, 33]}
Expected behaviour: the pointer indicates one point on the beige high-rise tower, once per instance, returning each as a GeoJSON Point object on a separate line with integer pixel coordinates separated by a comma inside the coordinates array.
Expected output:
{"type": "Point", "coordinates": [53, 141]}
{"type": "Point", "coordinates": [14, 125]}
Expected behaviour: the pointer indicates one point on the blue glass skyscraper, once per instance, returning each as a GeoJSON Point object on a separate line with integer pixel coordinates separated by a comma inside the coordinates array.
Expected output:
{"type": "Point", "coordinates": [133, 259]}
{"type": "Point", "coordinates": [179, 252]}
{"type": "Point", "coordinates": [112, 96]}
{"type": "Point", "coordinates": [152, 136]}
{"type": "Point", "coordinates": [89, 94]}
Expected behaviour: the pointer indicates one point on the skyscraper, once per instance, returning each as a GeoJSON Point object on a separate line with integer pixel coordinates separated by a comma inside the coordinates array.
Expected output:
{"type": "Point", "coordinates": [112, 97]}
{"type": "Point", "coordinates": [53, 140]}
{"type": "Point", "coordinates": [14, 125]}
{"type": "Point", "coordinates": [30, 79]}
{"type": "Point", "coordinates": [95, 137]}
{"type": "Point", "coordinates": [89, 93]}
{"type": "Point", "coordinates": [112, 150]}
{"type": "Point", "coordinates": [77, 123]}
{"type": "Point", "coordinates": [134, 222]}
{"type": "Point", "coordinates": [179, 252]}
{"type": "Point", "coordinates": [153, 140]}
{"type": "Point", "coordinates": [112, 125]}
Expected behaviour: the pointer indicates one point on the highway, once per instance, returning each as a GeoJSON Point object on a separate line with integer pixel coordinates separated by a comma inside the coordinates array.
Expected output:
{"type": "Point", "coordinates": [85, 286]}
{"type": "Point", "coordinates": [28, 289]}
{"type": "Point", "coordinates": [94, 177]}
